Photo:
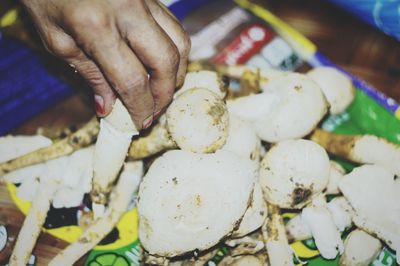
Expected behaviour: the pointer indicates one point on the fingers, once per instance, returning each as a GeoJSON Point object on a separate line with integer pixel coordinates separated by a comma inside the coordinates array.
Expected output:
{"type": "Point", "coordinates": [104, 96]}
{"type": "Point", "coordinates": [174, 30]}
{"type": "Point", "coordinates": [155, 50]}
{"type": "Point", "coordinates": [124, 72]}
{"type": "Point", "coordinates": [126, 75]}
{"type": "Point", "coordinates": [62, 45]}
{"type": "Point", "coordinates": [136, 49]}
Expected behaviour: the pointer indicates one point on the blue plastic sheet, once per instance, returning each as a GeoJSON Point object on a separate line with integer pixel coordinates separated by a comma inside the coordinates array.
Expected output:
{"type": "Point", "coordinates": [383, 14]}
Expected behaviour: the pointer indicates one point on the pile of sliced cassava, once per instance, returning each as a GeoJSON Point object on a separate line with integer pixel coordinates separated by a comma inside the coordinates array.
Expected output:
{"type": "Point", "coordinates": [223, 165]}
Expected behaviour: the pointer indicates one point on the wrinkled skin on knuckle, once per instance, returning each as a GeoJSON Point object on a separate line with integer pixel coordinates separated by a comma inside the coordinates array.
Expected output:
{"type": "Point", "coordinates": [133, 86]}
{"type": "Point", "coordinates": [59, 46]}
{"type": "Point", "coordinates": [91, 74]}
{"type": "Point", "coordinates": [86, 18]}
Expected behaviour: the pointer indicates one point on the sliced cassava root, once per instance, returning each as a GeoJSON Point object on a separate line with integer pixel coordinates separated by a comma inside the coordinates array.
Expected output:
{"type": "Point", "coordinates": [166, 135]}
{"type": "Point", "coordinates": [156, 140]}
{"type": "Point", "coordinates": [276, 242]}
{"type": "Point", "coordinates": [293, 172]}
{"type": "Point", "coordinates": [255, 214]}
{"type": "Point", "coordinates": [113, 141]}
{"type": "Point", "coordinates": [186, 192]}
{"type": "Point", "coordinates": [12, 147]}
{"type": "Point", "coordinates": [197, 120]}
{"type": "Point", "coordinates": [337, 87]}
{"type": "Point", "coordinates": [340, 210]}
{"type": "Point", "coordinates": [88, 133]}
{"type": "Point", "coordinates": [31, 228]}
{"type": "Point", "coordinates": [205, 79]}
{"type": "Point", "coordinates": [323, 229]}
{"type": "Point", "coordinates": [119, 201]}
{"type": "Point", "coordinates": [81, 138]}
{"type": "Point", "coordinates": [357, 148]}
{"type": "Point", "coordinates": [360, 249]}
{"type": "Point", "coordinates": [290, 107]}
{"type": "Point", "coordinates": [374, 194]}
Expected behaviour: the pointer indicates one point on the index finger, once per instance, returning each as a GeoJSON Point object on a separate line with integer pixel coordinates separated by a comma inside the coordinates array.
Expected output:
{"type": "Point", "coordinates": [156, 51]}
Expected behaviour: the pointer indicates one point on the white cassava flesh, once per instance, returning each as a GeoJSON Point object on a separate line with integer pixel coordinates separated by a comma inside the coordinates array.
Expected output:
{"type": "Point", "coordinates": [323, 229]}
{"type": "Point", "coordinates": [12, 147]}
{"type": "Point", "coordinates": [254, 216]}
{"type": "Point", "coordinates": [120, 198]}
{"type": "Point", "coordinates": [33, 223]}
{"type": "Point", "coordinates": [204, 79]}
{"type": "Point", "coordinates": [360, 249]}
{"type": "Point", "coordinates": [198, 121]}
{"type": "Point", "coordinates": [293, 172]}
{"type": "Point", "coordinates": [242, 139]}
{"type": "Point", "coordinates": [200, 118]}
{"type": "Point", "coordinates": [340, 210]}
{"type": "Point", "coordinates": [253, 107]}
{"type": "Point", "coordinates": [302, 105]}
{"type": "Point", "coordinates": [74, 181]}
{"type": "Point", "coordinates": [342, 213]}
{"type": "Point", "coordinates": [157, 139]}
{"type": "Point", "coordinates": [184, 193]}
{"type": "Point", "coordinates": [297, 229]}
{"type": "Point", "coordinates": [276, 242]}
{"type": "Point", "coordinates": [335, 176]}
{"type": "Point", "coordinates": [77, 140]}
{"type": "Point", "coordinates": [374, 193]}
{"type": "Point", "coordinates": [113, 141]}
{"type": "Point", "coordinates": [337, 87]}
{"type": "Point", "coordinates": [357, 148]}
{"type": "Point", "coordinates": [290, 107]}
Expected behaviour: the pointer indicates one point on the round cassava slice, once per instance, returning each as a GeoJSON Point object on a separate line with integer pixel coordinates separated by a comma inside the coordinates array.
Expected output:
{"type": "Point", "coordinates": [254, 215]}
{"type": "Point", "coordinates": [336, 86]}
{"type": "Point", "coordinates": [198, 120]}
{"type": "Point", "coordinates": [190, 201]}
{"type": "Point", "coordinates": [293, 172]}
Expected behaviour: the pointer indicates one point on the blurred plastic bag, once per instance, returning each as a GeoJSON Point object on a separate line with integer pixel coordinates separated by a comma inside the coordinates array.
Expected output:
{"type": "Point", "coordinates": [383, 14]}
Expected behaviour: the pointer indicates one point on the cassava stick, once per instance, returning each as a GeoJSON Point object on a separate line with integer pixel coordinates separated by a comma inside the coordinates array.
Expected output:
{"type": "Point", "coordinates": [119, 201]}
{"type": "Point", "coordinates": [276, 242]}
{"type": "Point", "coordinates": [81, 138]}
{"type": "Point", "coordinates": [357, 148]}
{"type": "Point", "coordinates": [250, 82]}
{"type": "Point", "coordinates": [197, 120]}
{"type": "Point", "coordinates": [158, 139]}
{"type": "Point", "coordinates": [111, 148]}
{"type": "Point", "coordinates": [57, 132]}
{"type": "Point", "coordinates": [321, 224]}
{"type": "Point", "coordinates": [30, 230]}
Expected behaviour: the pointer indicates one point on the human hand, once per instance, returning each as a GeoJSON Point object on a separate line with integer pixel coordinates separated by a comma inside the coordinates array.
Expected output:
{"type": "Point", "coordinates": [134, 49]}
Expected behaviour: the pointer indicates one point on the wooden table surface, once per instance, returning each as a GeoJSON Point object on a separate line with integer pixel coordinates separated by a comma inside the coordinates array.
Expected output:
{"type": "Point", "coordinates": [350, 43]}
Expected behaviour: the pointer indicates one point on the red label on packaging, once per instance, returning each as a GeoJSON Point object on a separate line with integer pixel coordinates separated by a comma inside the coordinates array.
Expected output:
{"type": "Point", "coordinates": [247, 44]}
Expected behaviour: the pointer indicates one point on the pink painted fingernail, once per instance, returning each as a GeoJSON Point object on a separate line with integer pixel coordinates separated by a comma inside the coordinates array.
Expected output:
{"type": "Point", "coordinates": [157, 115]}
{"type": "Point", "coordinates": [99, 105]}
{"type": "Point", "coordinates": [147, 122]}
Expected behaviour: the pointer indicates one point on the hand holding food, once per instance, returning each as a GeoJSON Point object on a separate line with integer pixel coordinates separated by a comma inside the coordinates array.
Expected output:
{"type": "Point", "coordinates": [134, 50]}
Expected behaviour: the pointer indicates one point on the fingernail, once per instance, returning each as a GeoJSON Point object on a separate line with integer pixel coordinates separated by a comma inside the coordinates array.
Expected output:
{"type": "Point", "coordinates": [99, 105]}
{"type": "Point", "coordinates": [147, 122]}
{"type": "Point", "coordinates": [157, 115]}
